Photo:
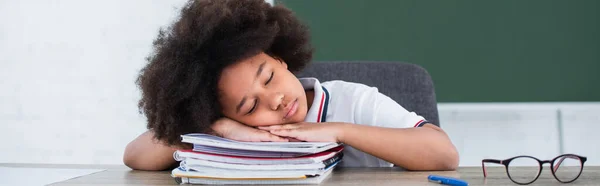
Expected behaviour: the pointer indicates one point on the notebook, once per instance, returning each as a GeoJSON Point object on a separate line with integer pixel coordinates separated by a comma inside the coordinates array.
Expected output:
{"type": "Point", "coordinates": [222, 173]}
{"type": "Point", "coordinates": [182, 178]}
{"type": "Point", "coordinates": [247, 153]}
{"type": "Point", "coordinates": [180, 155]}
{"type": "Point", "coordinates": [189, 163]}
{"type": "Point", "coordinates": [217, 145]}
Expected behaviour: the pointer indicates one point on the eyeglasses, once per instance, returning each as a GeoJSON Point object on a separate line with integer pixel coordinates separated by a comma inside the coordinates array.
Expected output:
{"type": "Point", "coordinates": [524, 170]}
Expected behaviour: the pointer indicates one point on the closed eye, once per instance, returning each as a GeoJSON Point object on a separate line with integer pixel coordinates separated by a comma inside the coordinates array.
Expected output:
{"type": "Point", "coordinates": [253, 107]}
{"type": "Point", "coordinates": [270, 78]}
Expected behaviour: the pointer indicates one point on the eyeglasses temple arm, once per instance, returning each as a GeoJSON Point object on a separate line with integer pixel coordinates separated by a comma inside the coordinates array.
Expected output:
{"type": "Point", "coordinates": [488, 161]}
{"type": "Point", "coordinates": [561, 159]}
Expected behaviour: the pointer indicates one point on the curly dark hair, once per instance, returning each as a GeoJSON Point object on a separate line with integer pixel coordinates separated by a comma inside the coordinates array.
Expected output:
{"type": "Point", "coordinates": [179, 83]}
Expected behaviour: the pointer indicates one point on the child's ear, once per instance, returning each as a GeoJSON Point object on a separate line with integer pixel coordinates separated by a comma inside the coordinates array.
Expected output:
{"type": "Point", "coordinates": [284, 64]}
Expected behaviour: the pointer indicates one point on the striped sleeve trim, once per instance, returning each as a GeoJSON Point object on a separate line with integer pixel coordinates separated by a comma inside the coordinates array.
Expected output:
{"type": "Point", "coordinates": [420, 123]}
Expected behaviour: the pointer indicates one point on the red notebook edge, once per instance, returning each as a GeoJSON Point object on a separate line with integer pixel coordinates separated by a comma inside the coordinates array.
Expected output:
{"type": "Point", "coordinates": [333, 150]}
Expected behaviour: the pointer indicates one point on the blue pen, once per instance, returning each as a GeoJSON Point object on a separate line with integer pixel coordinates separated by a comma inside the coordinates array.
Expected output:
{"type": "Point", "coordinates": [447, 180]}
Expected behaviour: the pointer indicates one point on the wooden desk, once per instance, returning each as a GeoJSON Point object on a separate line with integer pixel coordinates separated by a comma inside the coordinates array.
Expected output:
{"type": "Point", "coordinates": [122, 176]}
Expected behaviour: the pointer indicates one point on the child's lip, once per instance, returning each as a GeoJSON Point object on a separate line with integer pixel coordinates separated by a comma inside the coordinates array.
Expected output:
{"type": "Point", "coordinates": [292, 110]}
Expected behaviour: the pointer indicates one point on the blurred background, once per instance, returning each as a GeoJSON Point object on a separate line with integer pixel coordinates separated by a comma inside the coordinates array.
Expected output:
{"type": "Point", "coordinates": [512, 77]}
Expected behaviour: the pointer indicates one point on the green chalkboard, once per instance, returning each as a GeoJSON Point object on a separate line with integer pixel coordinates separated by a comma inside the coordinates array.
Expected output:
{"type": "Point", "coordinates": [475, 51]}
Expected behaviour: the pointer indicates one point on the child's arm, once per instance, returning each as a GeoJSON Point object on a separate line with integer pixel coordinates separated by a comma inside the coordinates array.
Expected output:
{"type": "Point", "coordinates": [146, 153]}
{"type": "Point", "coordinates": [423, 148]}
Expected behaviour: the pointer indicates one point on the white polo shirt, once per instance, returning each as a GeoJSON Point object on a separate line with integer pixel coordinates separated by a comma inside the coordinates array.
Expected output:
{"type": "Point", "coordinates": [340, 101]}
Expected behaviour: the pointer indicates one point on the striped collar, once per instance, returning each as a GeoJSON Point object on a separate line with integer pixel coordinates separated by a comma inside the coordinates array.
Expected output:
{"type": "Point", "coordinates": [318, 110]}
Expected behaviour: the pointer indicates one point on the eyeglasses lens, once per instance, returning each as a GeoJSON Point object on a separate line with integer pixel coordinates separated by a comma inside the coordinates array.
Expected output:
{"type": "Point", "coordinates": [567, 168]}
{"type": "Point", "coordinates": [523, 169]}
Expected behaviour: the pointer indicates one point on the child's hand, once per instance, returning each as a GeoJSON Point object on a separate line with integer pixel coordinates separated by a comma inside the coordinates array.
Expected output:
{"type": "Point", "coordinates": [234, 130]}
{"type": "Point", "coordinates": [304, 131]}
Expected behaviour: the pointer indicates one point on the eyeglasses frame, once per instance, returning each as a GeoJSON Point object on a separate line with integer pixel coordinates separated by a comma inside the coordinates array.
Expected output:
{"type": "Point", "coordinates": [506, 162]}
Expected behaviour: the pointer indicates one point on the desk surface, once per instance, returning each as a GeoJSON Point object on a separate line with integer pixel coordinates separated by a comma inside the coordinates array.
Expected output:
{"type": "Point", "coordinates": [117, 175]}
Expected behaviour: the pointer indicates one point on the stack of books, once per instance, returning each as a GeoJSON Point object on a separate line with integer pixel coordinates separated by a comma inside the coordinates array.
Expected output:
{"type": "Point", "coordinates": [216, 160]}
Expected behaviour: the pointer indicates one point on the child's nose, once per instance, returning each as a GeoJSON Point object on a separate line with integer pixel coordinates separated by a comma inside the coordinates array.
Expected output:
{"type": "Point", "coordinates": [276, 101]}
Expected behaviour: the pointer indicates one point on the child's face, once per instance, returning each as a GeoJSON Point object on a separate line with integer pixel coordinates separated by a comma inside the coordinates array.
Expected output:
{"type": "Point", "coordinates": [261, 91]}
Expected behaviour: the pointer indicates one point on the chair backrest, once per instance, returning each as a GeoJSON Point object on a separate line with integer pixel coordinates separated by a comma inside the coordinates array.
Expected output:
{"type": "Point", "coordinates": [408, 84]}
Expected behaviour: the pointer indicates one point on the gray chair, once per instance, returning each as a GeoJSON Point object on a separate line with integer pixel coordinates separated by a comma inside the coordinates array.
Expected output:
{"type": "Point", "coordinates": [408, 84]}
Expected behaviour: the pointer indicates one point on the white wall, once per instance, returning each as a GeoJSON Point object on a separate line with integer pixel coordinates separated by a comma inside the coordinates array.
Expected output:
{"type": "Point", "coordinates": [67, 72]}
{"type": "Point", "coordinates": [67, 92]}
